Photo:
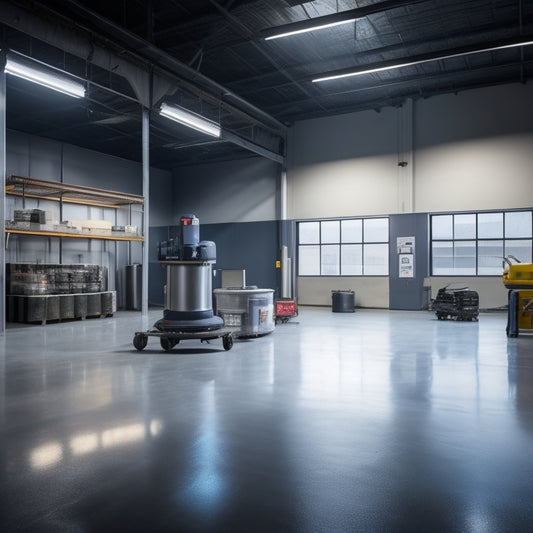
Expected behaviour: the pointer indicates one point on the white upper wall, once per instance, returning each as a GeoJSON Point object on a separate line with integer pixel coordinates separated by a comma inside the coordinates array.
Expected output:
{"type": "Point", "coordinates": [474, 150]}
{"type": "Point", "coordinates": [233, 191]}
{"type": "Point", "coordinates": [343, 165]}
{"type": "Point", "coordinates": [470, 151]}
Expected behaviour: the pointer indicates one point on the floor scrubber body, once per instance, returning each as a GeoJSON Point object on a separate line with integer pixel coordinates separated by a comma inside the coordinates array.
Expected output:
{"type": "Point", "coordinates": [188, 312]}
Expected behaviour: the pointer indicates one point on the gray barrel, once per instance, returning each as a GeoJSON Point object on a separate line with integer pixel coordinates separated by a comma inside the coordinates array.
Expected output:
{"type": "Point", "coordinates": [342, 301]}
{"type": "Point", "coordinates": [134, 287]}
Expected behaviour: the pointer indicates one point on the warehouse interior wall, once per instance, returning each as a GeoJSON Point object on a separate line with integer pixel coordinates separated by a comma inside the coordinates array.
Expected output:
{"type": "Point", "coordinates": [250, 246]}
{"type": "Point", "coordinates": [409, 293]}
{"type": "Point", "coordinates": [473, 150]}
{"type": "Point", "coordinates": [245, 190]}
{"type": "Point", "coordinates": [343, 165]}
{"type": "Point", "coordinates": [237, 203]}
{"type": "Point", "coordinates": [470, 151]}
{"type": "Point", "coordinates": [369, 291]}
{"type": "Point", "coordinates": [37, 157]}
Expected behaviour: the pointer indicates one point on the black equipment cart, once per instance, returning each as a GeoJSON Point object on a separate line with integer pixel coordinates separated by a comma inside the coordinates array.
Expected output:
{"type": "Point", "coordinates": [460, 304]}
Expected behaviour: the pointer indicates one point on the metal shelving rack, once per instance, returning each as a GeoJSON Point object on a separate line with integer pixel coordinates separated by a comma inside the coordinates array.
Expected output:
{"type": "Point", "coordinates": [65, 193]}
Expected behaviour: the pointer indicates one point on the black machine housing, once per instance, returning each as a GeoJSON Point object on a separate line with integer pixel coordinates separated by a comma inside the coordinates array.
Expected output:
{"type": "Point", "coordinates": [460, 304]}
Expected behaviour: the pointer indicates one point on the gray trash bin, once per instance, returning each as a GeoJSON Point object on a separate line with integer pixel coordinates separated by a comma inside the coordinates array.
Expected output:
{"type": "Point", "coordinates": [134, 287]}
{"type": "Point", "coordinates": [342, 301]}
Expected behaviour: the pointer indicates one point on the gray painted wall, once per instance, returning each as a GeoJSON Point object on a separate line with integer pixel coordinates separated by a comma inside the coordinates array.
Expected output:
{"type": "Point", "coordinates": [28, 155]}
{"type": "Point", "coordinates": [469, 151]}
{"type": "Point", "coordinates": [246, 190]}
{"type": "Point", "coordinates": [408, 293]}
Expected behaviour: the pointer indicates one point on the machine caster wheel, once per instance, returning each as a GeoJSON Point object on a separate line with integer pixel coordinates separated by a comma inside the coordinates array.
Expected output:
{"type": "Point", "coordinates": [167, 344]}
{"type": "Point", "coordinates": [227, 342]}
{"type": "Point", "coordinates": [140, 341]}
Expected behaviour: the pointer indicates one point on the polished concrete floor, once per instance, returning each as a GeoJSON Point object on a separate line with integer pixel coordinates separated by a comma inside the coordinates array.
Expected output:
{"type": "Point", "coordinates": [376, 421]}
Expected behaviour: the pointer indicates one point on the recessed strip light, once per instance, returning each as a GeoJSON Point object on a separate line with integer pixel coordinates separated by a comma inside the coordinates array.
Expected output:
{"type": "Point", "coordinates": [305, 30]}
{"type": "Point", "coordinates": [190, 119]}
{"type": "Point", "coordinates": [57, 82]}
{"type": "Point", "coordinates": [384, 67]}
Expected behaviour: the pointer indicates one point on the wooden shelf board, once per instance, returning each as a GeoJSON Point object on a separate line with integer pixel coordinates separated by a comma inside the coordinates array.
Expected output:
{"type": "Point", "coordinates": [73, 235]}
{"type": "Point", "coordinates": [24, 186]}
{"type": "Point", "coordinates": [57, 199]}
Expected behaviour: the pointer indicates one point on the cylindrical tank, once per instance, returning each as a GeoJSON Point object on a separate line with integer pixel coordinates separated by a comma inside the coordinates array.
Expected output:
{"type": "Point", "coordinates": [189, 287]}
{"type": "Point", "coordinates": [133, 286]}
{"type": "Point", "coordinates": [188, 297]}
{"type": "Point", "coordinates": [343, 301]}
{"type": "Point", "coordinates": [248, 311]}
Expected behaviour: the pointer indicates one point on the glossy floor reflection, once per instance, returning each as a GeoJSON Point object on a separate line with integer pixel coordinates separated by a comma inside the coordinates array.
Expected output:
{"type": "Point", "coordinates": [372, 421]}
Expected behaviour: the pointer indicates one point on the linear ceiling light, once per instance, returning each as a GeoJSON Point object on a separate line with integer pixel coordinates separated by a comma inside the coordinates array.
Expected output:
{"type": "Point", "coordinates": [190, 119]}
{"type": "Point", "coordinates": [334, 19]}
{"type": "Point", "coordinates": [305, 30]}
{"type": "Point", "coordinates": [54, 81]}
{"type": "Point", "coordinates": [388, 65]}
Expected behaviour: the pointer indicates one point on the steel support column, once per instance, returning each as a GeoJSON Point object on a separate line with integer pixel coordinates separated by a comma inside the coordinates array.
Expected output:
{"type": "Point", "coordinates": [2, 196]}
{"type": "Point", "coordinates": [146, 210]}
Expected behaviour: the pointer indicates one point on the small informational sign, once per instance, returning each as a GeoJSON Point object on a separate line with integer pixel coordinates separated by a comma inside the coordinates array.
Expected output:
{"type": "Point", "coordinates": [405, 245]}
{"type": "Point", "coordinates": [278, 264]}
{"type": "Point", "coordinates": [406, 262]}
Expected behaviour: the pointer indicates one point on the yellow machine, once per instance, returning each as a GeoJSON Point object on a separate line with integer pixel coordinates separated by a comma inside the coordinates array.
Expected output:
{"type": "Point", "coordinates": [518, 278]}
{"type": "Point", "coordinates": [525, 310]}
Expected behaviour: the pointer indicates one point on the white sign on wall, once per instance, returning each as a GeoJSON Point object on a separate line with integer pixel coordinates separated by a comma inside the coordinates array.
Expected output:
{"type": "Point", "coordinates": [406, 256]}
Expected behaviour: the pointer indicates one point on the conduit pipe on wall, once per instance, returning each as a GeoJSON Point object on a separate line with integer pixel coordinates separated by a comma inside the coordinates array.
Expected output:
{"type": "Point", "coordinates": [405, 157]}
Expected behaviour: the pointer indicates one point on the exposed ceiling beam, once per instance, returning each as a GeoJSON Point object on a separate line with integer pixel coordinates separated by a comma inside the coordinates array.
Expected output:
{"type": "Point", "coordinates": [423, 91]}
{"type": "Point", "coordinates": [140, 47]}
{"type": "Point", "coordinates": [243, 30]}
{"type": "Point", "coordinates": [136, 56]}
{"type": "Point", "coordinates": [253, 147]}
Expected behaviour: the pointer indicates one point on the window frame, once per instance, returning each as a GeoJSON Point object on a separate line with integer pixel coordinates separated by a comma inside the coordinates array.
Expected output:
{"type": "Point", "coordinates": [341, 243]}
{"type": "Point", "coordinates": [477, 240]}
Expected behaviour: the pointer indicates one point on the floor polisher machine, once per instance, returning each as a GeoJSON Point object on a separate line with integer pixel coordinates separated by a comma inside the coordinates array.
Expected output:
{"type": "Point", "coordinates": [188, 312]}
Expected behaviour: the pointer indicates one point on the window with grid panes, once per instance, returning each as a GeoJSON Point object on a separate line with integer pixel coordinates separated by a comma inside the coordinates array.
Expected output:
{"type": "Point", "coordinates": [474, 244]}
{"type": "Point", "coordinates": [347, 247]}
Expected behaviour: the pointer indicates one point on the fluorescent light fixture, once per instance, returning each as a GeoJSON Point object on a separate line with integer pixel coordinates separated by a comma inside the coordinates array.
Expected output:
{"type": "Point", "coordinates": [305, 30]}
{"type": "Point", "coordinates": [390, 66]}
{"type": "Point", "coordinates": [54, 81]}
{"type": "Point", "coordinates": [190, 119]}
{"type": "Point", "coordinates": [334, 19]}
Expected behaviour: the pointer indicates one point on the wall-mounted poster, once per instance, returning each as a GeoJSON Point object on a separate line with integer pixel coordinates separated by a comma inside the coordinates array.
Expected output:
{"type": "Point", "coordinates": [405, 245]}
{"type": "Point", "coordinates": [406, 266]}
